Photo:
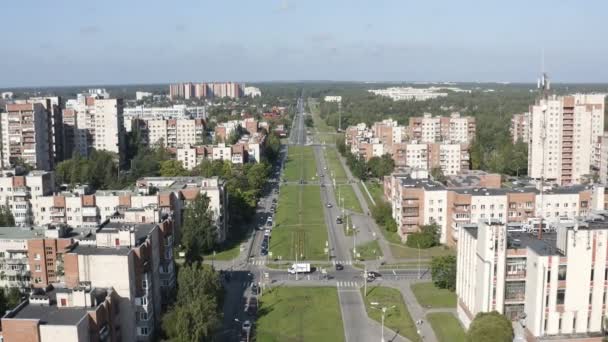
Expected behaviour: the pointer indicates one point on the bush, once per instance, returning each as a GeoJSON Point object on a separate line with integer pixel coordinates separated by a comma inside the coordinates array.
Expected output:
{"type": "Point", "coordinates": [427, 237]}
{"type": "Point", "coordinates": [490, 327]}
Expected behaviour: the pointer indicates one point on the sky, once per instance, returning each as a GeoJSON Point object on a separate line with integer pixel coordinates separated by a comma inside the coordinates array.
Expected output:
{"type": "Point", "coordinates": [66, 42]}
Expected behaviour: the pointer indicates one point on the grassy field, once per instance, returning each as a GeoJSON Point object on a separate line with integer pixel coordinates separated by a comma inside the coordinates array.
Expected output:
{"type": "Point", "coordinates": [446, 327]}
{"type": "Point", "coordinates": [404, 252]}
{"type": "Point", "coordinates": [351, 202]}
{"type": "Point", "coordinates": [334, 164]}
{"type": "Point", "coordinates": [300, 314]}
{"type": "Point", "coordinates": [428, 295]}
{"type": "Point", "coordinates": [300, 164]}
{"type": "Point", "coordinates": [397, 318]}
{"type": "Point", "coordinates": [299, 225]}
{"type": "Point", "coordinates": [323, 133]}
{"type": "Point", "coordinates": [369, 250]}
{"type": "Point", "coordinates": [375, 189]}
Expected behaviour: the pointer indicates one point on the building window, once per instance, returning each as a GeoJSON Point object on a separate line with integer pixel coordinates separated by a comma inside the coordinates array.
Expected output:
{"type": "Point", "coordinates": [561, 272]}
{"type": "Point", "coordinates": [561, 296]}
{"type": "Point", "coordinates": [143, 316]}
{"type": "Point", "coordinates": [37, 268]}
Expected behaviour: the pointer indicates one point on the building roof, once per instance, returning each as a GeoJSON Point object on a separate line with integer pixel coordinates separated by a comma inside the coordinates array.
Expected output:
{"type": "Point", "coordinates": [18, 233]}
{"type": "Point", "coordinates": [94, 250]}
{"type": "Point", "coordinates": [426, 184]}
{"type": "Point", "coordinates": [546, 245]}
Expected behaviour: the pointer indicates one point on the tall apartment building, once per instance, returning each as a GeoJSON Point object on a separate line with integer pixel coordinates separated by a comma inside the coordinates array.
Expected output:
{"type": "Point", "coordinates": [205, 90]}
{"type": "Point", "coordinates": [109, 129]}
{"type": "Point", "coordinates": [54, 106]}
{"type": "Point", "coordinates": [554, 284]}
{"type": "Point", "coordinates": [174, 132]}
{"type": "Point", "coordinates": [69, 267]}
{"type": "Point", "coordinates": [430, 129]}
{"type": "Point", "coordinates": [520, 127]}
{"type": "Point", "coordinates": [417, 201]}
{"type": "Point", "coordinates": [94, 123]}
{"type": "Point", "coordinates": [26, 136]}
{"type": "Point", "coordinates": [563, 134]}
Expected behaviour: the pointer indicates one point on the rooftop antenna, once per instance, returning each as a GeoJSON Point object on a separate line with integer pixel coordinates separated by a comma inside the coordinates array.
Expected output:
{"type": "Point", "coordinates": [543, 95]}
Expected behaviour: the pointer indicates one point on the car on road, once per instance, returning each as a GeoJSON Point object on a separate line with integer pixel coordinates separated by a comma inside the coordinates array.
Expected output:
{"type": "Point", "coordinates": [272, 210]}
{"type": "Point", "coordinates": [325, 168]}
{"type": "Point", "coordinates": [264, 252]}
{"type": "Point", "coordinates": [254, 289]}
{"type": "Point", "coordinates": [328, 205]}
{"type": "Point", "coordinates": [339, 220]}
{"type": "Point", "coordinates": [246, 326]}
{"type": "Point", "coordinates": [374, 274]}
{"type": "Point", "coordinates": [339, 267]}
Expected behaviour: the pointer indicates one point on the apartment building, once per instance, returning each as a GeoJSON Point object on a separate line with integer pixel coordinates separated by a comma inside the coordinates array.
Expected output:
{"type": "Point", "coordinates": [438, 142]}
{"type": "Point", "coordinates": [17, 190]}
{"type": "Point", "coordinates": [26, 136]}
{"type": "Point", "coordinates": [142, 113]}
{"type": "Point", "coordinates": [249, 149]}
{"type": "Point", "coordinates": [225, 129]}
{"type": "Point", "coordinates": [431, 129]}
{"type": "Point", "coordinates": [252, 92]}
{"type": "Point", "coordinates": [205, 90]}
{"type": "Point", "coordinates": [520, 127]}
{"type": "Point", "coordinates": [553, 283]}
{"type": "Point", "coordinates": [54, 106]}
{"type": "Point", "coordinates": [109, 130]}
{"type": "Point", "coordinates": [186, 189]}
{"type": "Point", "coordinates": [563, 134]}
{"type": "Point", "coordinates": [417, 200]}
{"type": "Point", "coordinates": [174, 132]}
{"type": "Point", "coordinates": [67, 267]}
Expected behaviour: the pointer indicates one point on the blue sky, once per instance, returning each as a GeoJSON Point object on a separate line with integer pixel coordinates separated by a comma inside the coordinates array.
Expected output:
{"type": "Point", "coordinates": [67, 42]}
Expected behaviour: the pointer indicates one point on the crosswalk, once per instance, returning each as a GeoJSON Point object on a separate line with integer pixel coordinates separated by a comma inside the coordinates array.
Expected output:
{"type": "Point", "coordinates": [345, 262]}
{"type": "Point", "coordinates": [258, 262]}
{"type": "Point", "coordinates": [350, 284]}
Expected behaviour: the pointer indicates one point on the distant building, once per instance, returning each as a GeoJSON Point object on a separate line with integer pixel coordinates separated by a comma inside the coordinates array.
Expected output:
{"type": "Point", "coordinates": [455, 129]}
{"type": "Point", "coordinates": [140, 95]}
{"type": "Point", "coordinates": [205, 90]}
{"type": "Point", "coordinates": [252, 91]}
{"type": "Point", "coordinates": [409, 93]}
{"type": "Point", "coordinates": [332, 98]}
{"type": "Point", "coordinates": [520, 127]}
{"type": "Point", "coordinates": [7, 95]}
{"type": "Point", "coordinates": [563, 133]}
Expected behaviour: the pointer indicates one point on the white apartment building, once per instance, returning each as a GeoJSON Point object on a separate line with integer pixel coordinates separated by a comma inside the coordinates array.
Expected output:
{"type": "Point", "coordinates": [175, 132]}
{"type": "Point", "coordinates": [453, 129]}
{"type": "Point", "coordinates": [563, 134]}
{"type": "Point", "coordinates": [330, 98]}
{"type": "Point", "coordinates": [140, 95]}
{"type": "Point", "coordinates": [18, 191]}
{"type": "Point", "coordinates": [26, 136]}
{"type": "Point", "coordinates": [409, 93]}
{"type": "Point", "coordinates": [109, 129]}
{"type": "Point", "coordinates": [252, 92]}
{"type": "Point", "coordinates": [553, 283]}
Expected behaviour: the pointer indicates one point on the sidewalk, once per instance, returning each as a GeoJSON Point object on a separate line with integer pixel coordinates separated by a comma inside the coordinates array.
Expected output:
{"type": "Point", "coordinates": [367, 218]}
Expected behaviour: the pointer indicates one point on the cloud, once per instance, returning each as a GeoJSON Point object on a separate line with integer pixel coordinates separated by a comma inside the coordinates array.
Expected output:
{"type": "Point", "coordinates": [87, 30]}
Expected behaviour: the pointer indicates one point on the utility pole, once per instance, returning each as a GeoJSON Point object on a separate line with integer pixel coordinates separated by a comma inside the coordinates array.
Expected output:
{"type": "Point", "coordinates": [365, 279]}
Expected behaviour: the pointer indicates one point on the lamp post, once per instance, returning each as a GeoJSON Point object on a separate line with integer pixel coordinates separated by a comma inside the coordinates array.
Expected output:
{"type": "Point", "coordinates": [384, 309]}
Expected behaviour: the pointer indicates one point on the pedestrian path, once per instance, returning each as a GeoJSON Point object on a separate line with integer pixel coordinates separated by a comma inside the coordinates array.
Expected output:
{"type": "Point", "coordinates": [345, 262]}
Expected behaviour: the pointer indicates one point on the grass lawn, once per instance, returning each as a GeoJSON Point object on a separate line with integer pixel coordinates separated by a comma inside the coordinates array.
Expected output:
{"type": "Point", "coordinates": [375, 189]}
{"type": "Point", "coordinates": [351, 202]}
{"type": "Point", "coordinates": [398, 318]}
{"type": "Point", "coordinates": [369, 250]}
{"type": "Point", "coordinates": [300, 164]}
{"type": "Point", "coordinates": [299, 224]}
{"type": "Point", "coordinates": [404, 252]}
{"type": "Point", "coordinates": [447, 327]}
{"type": "Point", "coordinates": [334, 164]}
{"type": "Point", "coordinates": [428, 295]}
{"type": "Point", "coordinates": [300, 314]}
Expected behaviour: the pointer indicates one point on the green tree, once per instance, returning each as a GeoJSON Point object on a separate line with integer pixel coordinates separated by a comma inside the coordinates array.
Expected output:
{"type": "Point", "coordinates": [381, 166]}
{"type": "Point", "coordinates": [490, 327]}
{"type": "Point", "coordinates": [172, 168]}
{"type": "Point", "coordinates": [427, 237]}
{"type": "Point", "coordinates": [437, 174]}
{"type": "Point", "coordinates": [199, 232]}
{"type": "Point", "coordinates": [6, 217]}
{"type": "Point", "coordinates": [443, 272]}
{"type": "Point", "coordinates": [196, 314]}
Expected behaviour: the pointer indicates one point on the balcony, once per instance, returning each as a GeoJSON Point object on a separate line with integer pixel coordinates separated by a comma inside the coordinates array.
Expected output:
{"type": "Point", "coordinates": [21, 192]}
{"type": "Point", "coordinates": [143, 303]}
{"type": "Point", "coordinates": [89, 211]}
{"type": "Point", "coordinates": [57, 212]}
{"type": "Point", "coordinates": [516, 275]}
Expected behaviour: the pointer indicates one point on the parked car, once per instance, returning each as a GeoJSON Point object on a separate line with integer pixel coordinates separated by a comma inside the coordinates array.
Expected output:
{"type": "Point", "coordinates": [254, 289]}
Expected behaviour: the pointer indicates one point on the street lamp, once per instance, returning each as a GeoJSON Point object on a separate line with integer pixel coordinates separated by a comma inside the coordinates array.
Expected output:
{"type": "Point", "coordinates": [383, 309]}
